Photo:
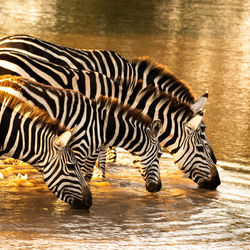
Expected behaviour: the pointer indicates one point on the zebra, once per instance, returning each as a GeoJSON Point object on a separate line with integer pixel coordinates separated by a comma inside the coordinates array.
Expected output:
{"type": "Point", "coordinates": [29, 134]}
{"type": "Point", "coordinates": [103, 61]}
{"type": "Point", "coordinates": [10, 62]}
{"type": "Point", "coordinates": [106, 62]}
{"type": "Point", "coordinates": [181, 132]}
{"type": "Point", "coordinates": [97, 123]}
{"type": "Point", "coordinates": [140, 68]}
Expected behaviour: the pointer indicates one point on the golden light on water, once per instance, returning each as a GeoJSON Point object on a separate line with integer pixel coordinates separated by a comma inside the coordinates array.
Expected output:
{"type": "Point", "coordinates": [204, 43]}
{"type": "Point", "coordinates": [14, 174]}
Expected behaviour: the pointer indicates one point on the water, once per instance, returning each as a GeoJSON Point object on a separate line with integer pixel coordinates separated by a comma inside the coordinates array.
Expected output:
{"type": "Point", "coordinates": [125, 215]}
{"type": "Point", "coordinates": [206, 43]}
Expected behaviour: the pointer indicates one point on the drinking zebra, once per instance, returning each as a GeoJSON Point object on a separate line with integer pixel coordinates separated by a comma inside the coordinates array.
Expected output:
{"type": "Point", "coordinates": [181, 132]}
{"type": "Point", "coordinates": [29, 134]}
{"type": "Point", "coordinates": [102, 122]}
{"type": "Point", "coordinates": [103, 61]}
{"type": "Point", "coordinates": [106, 62]}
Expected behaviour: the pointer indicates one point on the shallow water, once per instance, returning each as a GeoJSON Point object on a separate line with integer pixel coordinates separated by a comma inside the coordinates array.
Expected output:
{"type": "Point", "coordinates": [125, 215]}
{"type": "Point", "coordinates": [205, 43]}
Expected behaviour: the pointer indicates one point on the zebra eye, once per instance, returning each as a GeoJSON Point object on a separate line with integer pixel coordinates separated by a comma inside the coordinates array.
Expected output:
{"type": "Point", "coordinates": [203, 137]}
{"type": "Point", "coordinates": [203, 128]}
{"type": "Point", "coordinates": [200, 148]}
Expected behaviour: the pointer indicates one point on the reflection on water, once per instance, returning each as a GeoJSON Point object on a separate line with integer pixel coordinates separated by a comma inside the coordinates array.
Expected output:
{"type": "Point", "coordinates": [125, 214]}
{"type": "Point", "coordinates": [205, 43]}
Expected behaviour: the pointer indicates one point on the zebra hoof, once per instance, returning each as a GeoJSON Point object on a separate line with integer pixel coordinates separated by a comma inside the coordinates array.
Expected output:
{"type": "Point", "coordinates": [153, 187]}
{"type": "Point", "coordinates": [85, 203]}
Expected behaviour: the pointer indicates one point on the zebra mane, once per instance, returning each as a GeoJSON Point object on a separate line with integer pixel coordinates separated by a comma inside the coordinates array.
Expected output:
{"type": "Point", "coordinates": [138, 91]}
{"type": "Point", "coordinates": [159, 69]}
{"type": "Point", "coordinates": [11, 81]}
{"type": "Point", "coordinates": [112, 104]}
{"type": "Point", "coordinates": [31, 112]}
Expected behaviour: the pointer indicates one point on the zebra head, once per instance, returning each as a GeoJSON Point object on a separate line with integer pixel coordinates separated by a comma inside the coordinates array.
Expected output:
{"type": "Point", "coordinates": [149, 154]}
{"type": "Point", "coordinates": [194, 155]}
{"type": "Point", "coordinates": [63, 174]}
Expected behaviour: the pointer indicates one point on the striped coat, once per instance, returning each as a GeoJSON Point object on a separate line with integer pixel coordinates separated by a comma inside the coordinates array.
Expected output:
{"type": "Point", "coordinates": [29, 134]}
{"type": "Point", "coordinates": [180, 121]}
{"type": "Point", "coordinates": [109, 63]}
{"type": "Point", "coordinates": [104, 122]}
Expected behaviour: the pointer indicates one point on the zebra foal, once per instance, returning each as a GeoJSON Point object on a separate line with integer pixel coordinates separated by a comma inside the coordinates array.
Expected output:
{"type": "Point", "coordinates": [97, 123]}
{"type": "Point", "coordinates": [29, 134]}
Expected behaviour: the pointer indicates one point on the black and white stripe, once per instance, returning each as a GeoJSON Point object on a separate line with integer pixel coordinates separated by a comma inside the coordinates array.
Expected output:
{"type": "Point", "coordinates": [15, 63]}
{"type": "Point", "coordinates": [30, 135]}
{"type": "Point", "coordinates": [104, 61]}
{"type": "Point", "coordinates": [144, 69]}
{"type": "Point", "coordinates": [180, 122]}
{"type": "Point", "coordinates": [96, 124]}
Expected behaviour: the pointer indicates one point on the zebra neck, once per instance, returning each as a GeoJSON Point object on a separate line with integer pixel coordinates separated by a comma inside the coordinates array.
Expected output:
{"type": "Point", "coordinates": [173, 128]}
{"type": "Point", "coordinates": [95, 132]}
{"type": "Point", "coordinates": [159, 75]}
{"type": "Point", "coordinates": [121, 130]}
{"type": "Point", "coordinates": [20, 142]}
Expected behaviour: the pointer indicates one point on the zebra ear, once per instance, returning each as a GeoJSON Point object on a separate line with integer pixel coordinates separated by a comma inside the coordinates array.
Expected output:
{"type": "Point", "coordinates": [195, 121]}
{"type": "Point", "coordinates": [63, 139]}
{"type": "Point", "coordinates": [199, 103]}
{"type": "Point", "coordinates": [156, 127]}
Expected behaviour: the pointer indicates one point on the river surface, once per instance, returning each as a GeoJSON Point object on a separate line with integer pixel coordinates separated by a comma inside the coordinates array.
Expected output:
{"type": "Point", "coordinates": [205, 43]}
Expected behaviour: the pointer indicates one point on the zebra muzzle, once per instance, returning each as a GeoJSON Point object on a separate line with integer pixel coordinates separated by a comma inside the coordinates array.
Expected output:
{"type": "Point", "coordinates": [210, 184]}
{"type": "Point", "coordinates": [84, 203]}
{"type": "Point", "coordinates": [153, 186]}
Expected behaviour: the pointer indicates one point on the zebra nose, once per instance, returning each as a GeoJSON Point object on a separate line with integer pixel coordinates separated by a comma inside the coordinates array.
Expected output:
{"type": "Point", "coordinates": [210, 184]}
{"type": "Point", "coordinates": [153, 186]}
{"type": "Point", "coordinates": [85, 203]}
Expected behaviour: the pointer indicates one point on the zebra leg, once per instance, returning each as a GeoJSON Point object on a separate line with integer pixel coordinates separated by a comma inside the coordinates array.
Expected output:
{"type": "Point", "coordinates": [102, 160]}
{"type": "Point", "coordinates": [111, 154]}
{"type": "Point", "coordinates": [88, 167]}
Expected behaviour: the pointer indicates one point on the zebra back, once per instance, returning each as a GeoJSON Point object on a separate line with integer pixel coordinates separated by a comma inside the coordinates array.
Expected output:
{"type": "Point", "coordinates": [89, 83]}
{"type": "Point", "coordinates": [103, 61]}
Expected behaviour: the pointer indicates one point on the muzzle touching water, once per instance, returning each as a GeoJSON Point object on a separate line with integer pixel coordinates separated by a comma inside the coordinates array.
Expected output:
{"type": "Point", "coordinates": [210, 184]}
{"type": "Point", "coordinates": [85, 203]}
{"type": "Point", "coordinates": [153, 186]}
